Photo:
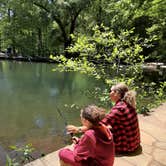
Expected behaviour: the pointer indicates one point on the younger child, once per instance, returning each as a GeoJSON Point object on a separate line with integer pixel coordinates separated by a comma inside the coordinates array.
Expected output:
{"type": "Point", "coordinates": [95, 147]}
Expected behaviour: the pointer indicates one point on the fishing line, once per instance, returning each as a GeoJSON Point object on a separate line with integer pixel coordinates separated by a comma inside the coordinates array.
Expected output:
{"type": "Point", "coordinates": [64, 119]}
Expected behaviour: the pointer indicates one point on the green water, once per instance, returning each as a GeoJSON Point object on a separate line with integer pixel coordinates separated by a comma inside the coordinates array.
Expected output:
{"type": "Point", "coordinates": [30, 94]}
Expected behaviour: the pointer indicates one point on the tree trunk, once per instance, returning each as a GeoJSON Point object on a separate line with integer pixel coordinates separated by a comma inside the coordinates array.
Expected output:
{"type": "Point", "coordinates": [40, 43]}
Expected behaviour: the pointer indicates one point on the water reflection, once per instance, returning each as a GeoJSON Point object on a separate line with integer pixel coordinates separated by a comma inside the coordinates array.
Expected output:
{"type": "Point", "coordinates": [30, 94]}
{"type": "Point", "coordinates": [39, 121]}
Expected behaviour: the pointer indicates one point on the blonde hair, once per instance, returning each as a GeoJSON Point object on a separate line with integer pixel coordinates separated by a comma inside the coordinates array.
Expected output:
{"type": "Point", "coordinates": [129, 96]}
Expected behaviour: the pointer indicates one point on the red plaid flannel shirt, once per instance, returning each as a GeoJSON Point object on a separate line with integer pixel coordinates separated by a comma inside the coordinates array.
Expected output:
{"type": "Point", "coordinates": [125, 127]}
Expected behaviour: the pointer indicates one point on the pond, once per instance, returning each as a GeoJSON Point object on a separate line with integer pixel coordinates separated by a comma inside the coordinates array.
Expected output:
{"type": "Point", "coordinates": [31, 97]}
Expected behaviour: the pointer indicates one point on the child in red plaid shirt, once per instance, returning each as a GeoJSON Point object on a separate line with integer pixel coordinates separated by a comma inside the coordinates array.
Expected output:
{"type": "Point", "coordinates": [123, 119]}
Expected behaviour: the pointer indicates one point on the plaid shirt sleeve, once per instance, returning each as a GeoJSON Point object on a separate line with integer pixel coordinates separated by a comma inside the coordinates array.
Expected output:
{"type": "Point", "coordinates": [113, 117]}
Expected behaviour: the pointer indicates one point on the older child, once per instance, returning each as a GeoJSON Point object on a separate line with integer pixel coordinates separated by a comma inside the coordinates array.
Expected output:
{"type": "Point", "coordinates": [123, 119]}
{"type": "Point", "coordinates": [95, 147]}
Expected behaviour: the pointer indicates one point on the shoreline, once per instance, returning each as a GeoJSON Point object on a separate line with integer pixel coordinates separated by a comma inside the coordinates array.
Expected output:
{"type": "Point", "coordinates": [28, 59]}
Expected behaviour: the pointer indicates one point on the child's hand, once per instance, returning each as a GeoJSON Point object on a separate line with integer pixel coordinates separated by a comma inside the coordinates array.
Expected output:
{"type": "Point", "coordinates": [75, 140]}
{"type": "Point", "coordinates": [72, 129]}
{"type": "Point", "coordinates": [109, 127]}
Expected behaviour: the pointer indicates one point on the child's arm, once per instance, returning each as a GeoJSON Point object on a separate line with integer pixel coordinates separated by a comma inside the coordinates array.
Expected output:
{"type": "Point", "coordinates": [76, 129]}
{"type": "Point", "coordinates": [85, 148]}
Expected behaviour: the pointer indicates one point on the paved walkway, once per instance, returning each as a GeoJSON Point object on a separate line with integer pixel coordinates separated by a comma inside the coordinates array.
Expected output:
{"type": "Point", "coordinates": [153, 142]}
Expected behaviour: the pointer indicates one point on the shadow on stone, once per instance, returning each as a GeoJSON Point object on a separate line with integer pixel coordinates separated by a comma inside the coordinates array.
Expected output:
{"type": "Point", "coordinates": [138, 151]}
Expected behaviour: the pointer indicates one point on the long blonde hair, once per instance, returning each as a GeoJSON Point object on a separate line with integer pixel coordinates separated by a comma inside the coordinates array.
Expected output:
{"type": "Point", "coordinates": [129, 96]}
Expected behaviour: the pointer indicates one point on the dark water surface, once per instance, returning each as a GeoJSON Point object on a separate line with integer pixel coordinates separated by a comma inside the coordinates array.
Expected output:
{"type": "Point", "coordinates": [30, 94]}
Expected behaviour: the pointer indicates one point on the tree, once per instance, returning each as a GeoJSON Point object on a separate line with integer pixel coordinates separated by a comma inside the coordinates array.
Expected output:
{"type": "Point", "coordinates": [65, 14]}
{"type": "Point", "coordinates": [47, 25]}
{"type": "Point", "coordinates": [21, 25]}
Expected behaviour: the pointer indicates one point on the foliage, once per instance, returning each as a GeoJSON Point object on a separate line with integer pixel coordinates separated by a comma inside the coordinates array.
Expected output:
{"type": "Point", "coordinates": [22, 24]}
{"type": "Point", "coordinates": [25, 153]}
{"type": "Point", "coordinates": [111, 58]}
{"type": "Point", "coordinates": [11, 162]}
{"type": "Point", "coordinates": [35, 27]}
{"type": "Point", "coordinates": [150, 95]}
{"type": "Point", "coordinates": [105, 48]}
{"type": "Point", "coordinates": [35, 23]}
